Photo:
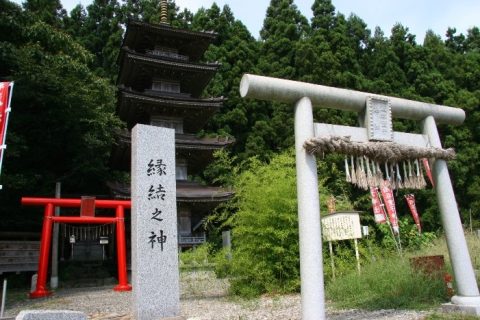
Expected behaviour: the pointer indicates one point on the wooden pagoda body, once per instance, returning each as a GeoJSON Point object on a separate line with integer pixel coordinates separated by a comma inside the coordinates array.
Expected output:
{"type": "Point", "coordinates": [160, 83]}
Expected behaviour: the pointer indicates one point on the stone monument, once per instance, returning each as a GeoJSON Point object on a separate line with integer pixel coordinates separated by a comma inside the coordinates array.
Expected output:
{"type": "Point", "coordinates": [155, 273]}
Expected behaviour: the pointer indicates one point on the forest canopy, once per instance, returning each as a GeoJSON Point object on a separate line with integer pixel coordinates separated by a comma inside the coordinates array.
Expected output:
{"type": "Point", "coordinates": [64, 65]}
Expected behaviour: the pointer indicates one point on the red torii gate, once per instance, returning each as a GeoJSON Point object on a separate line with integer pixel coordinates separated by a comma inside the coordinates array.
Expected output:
{"type": "Point", "coordinates": [49, 219]}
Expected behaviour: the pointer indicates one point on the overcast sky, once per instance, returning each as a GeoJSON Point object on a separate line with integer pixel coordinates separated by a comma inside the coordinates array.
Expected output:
{"type": "Point", "coordinates": [417, 15]}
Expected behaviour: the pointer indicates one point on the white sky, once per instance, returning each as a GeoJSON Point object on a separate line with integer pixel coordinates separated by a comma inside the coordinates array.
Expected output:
{"type": "Point", "coordinates": [417, 15]}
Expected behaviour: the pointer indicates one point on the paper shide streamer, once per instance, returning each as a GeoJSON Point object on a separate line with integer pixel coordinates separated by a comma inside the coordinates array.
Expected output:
{"type": "Point", "coordinates": [369, 164]}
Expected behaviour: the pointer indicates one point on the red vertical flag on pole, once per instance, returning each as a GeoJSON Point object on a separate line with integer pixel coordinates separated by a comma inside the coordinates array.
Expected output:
{"type": "Point", "coordinates": [378, 211]}
{"type": "Point", "coordinates": [5, 99]}
{"type": "Point", "coordinates": [413, 210]}
{"type": "Point", "coordinates": [426, 165]}
{"type": "Point", "coordinates": [389, 201]}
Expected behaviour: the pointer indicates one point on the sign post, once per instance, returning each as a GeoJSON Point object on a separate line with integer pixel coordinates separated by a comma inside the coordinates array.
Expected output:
{"type": "Point", "coordinates": [342, 226]}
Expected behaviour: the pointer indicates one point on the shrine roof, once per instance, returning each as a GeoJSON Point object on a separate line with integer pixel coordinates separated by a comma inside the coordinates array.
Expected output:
{"type": "Point", "coordinates": [137, 107]}
{"type": "Point", "coordinates": [198, 151]}
{"type": "Point", "coordinates": [141, 36]}
{"type": "Point", "coordinates": [137, 70]}
{"type": "Point", "coordinates": [186, 192]}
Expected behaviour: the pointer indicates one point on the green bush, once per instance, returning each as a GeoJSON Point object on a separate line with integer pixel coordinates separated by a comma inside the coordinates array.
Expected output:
{"type": "Point", "coordinates": [197, 257]}
{"type": "Point", "coordinates": [223, 263]}
{"type": "Point", "coordinates": [409, 236]}
{"type": "Point", "coordinates": [266, 254]}
{"type": "Point", "coordinates": [265, 228]}
{"type": "Point", "coordinates": [388, 283]}
{"type": "Point", "coordinates": [264, 223]}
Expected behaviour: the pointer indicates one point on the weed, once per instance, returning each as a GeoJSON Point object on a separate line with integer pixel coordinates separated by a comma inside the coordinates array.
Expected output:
{"type": "Point", "coordinates": [385, 284]}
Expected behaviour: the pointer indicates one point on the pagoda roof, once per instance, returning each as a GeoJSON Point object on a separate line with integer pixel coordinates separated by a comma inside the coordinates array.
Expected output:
{"type": "Point", "coordinates": [137, 71]}
{"type": "Point", "coordinates": [187, 192]}
{"type": "Point", "coordinates": [197, 151]}
{"type": "Point", "coordinates": [137, 107]}
{"type": "Point", "coordinates": [143, 36]}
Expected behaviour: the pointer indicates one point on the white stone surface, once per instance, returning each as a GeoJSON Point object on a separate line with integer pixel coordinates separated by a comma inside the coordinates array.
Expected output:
{"type": "Point", "coordinates": [358, 134]}
{"type": "Point", "coordinates": [465, 309]}
{"type": "Point", "coordinates": [51, 315]}
{"type": "Point", "coordinates": [309, 226]}
{"type": "Point", "coordinates": [466, 282]}
{"type": "Point", "coordinates": [155, 273]}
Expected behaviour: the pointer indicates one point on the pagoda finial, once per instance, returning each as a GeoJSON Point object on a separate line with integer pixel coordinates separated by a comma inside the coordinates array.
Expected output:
{"type": "Point", "coordinates": [163, 11]}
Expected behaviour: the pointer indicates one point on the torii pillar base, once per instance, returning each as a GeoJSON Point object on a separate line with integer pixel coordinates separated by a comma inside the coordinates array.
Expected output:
{"type": "Point", "coordinates": [40, 294]}
{"type": "Point", "coordinates": [467, 305]}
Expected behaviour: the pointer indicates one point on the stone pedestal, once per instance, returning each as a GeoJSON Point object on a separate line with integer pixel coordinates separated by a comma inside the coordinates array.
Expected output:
{"type": "Point", "coordinates": [51, 315]}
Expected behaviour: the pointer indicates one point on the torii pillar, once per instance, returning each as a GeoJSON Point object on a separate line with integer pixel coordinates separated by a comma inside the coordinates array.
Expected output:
{"type": "Point", "coordinates": [303, 96]}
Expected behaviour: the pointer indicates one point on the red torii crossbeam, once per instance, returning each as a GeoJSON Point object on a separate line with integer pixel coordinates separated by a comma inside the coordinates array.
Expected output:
{"type": "Point", "coordinates": [49, 219]}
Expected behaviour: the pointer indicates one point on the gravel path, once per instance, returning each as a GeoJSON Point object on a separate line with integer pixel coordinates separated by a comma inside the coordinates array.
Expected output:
{"type": "Point", "coordinates": [202, 298]}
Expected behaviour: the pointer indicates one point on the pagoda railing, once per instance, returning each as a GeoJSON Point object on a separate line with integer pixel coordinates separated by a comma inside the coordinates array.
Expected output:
{"type": "Point", "coordinates": [168, 54]}
{"type": "Point", "coordinates": [167, 93]}
{"type": "Point", "coordinates": [190, 240]}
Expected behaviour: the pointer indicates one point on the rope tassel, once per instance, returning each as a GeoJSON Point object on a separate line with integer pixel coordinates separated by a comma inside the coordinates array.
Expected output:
{"type": "Point", "coordinates": [364, 169]}
{"type": "Point", "coordinates": [347, 171]}
{"type": "Point", "coordinates": [353, 173]}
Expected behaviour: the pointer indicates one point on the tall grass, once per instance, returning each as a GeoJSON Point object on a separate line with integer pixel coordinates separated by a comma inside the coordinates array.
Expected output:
{"type": "Point", "coordinates": [196, 258]}
{"type": "Point", "coordinates": [388, 283]}
{"type": "Point", "coordinates": [440, 248]}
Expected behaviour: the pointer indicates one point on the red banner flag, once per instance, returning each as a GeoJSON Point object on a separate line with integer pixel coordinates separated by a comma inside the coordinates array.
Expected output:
{"type": "Point", "coordinates": [3, 107]}
{"type": "Point", "coordinates": [389, 202]}
{"type": "Point", "coordinates": [426, 165]}
{"type": "Point", "coordinates": [413, 210]}
{"type": "Point", "coordinates": [378, 211]}
{"type": "Point", "coordinates": [5, 96]}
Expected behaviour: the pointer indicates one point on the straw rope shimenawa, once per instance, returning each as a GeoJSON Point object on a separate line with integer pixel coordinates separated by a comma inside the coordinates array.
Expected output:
{"type": "Point", "coordinates": [377, 151]}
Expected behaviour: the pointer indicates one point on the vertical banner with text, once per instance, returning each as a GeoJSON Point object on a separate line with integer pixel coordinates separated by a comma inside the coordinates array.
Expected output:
{"type": "Point", "coordinates": [378, 211]}
{"type": "Point", "coordinates": [413, 210]}
{"type": "Point", "coordinates": [428, 170]}
{"type": "Point", "coordinates": [5, 99]}
{"type": "Point", "coordinates": [389, 201]}
{"type": "Point", "coordinates": [155, 273]}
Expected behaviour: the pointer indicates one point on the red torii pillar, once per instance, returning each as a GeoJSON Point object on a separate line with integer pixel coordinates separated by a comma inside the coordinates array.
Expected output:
{"type": "Point", "coordinates": [49, 219]}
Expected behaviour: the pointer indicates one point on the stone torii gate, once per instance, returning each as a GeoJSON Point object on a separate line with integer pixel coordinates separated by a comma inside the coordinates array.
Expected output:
{"type": "Point", "coordinates": [378, 121]}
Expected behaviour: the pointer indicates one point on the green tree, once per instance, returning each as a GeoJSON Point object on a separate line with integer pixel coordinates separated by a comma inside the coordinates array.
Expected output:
{"type": "Point", "coordinates": [283, 28]}
{"type": "Point", "coordinates": [99, 29]}
{"type": "Point", "coordinates": [265, 226]}
{"type": "Point", "coordinates": [62, 120]}
{"type": "Point", "coordinates": [237, 52]}
{"type": "Point", "coordinates": [48, 11]}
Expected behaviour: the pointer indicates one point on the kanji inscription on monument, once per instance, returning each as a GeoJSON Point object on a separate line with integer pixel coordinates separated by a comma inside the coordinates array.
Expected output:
{"type": "Point", "coordinates": [155, 276]}
{"type": "Point", "coordinates": [379, 119]}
